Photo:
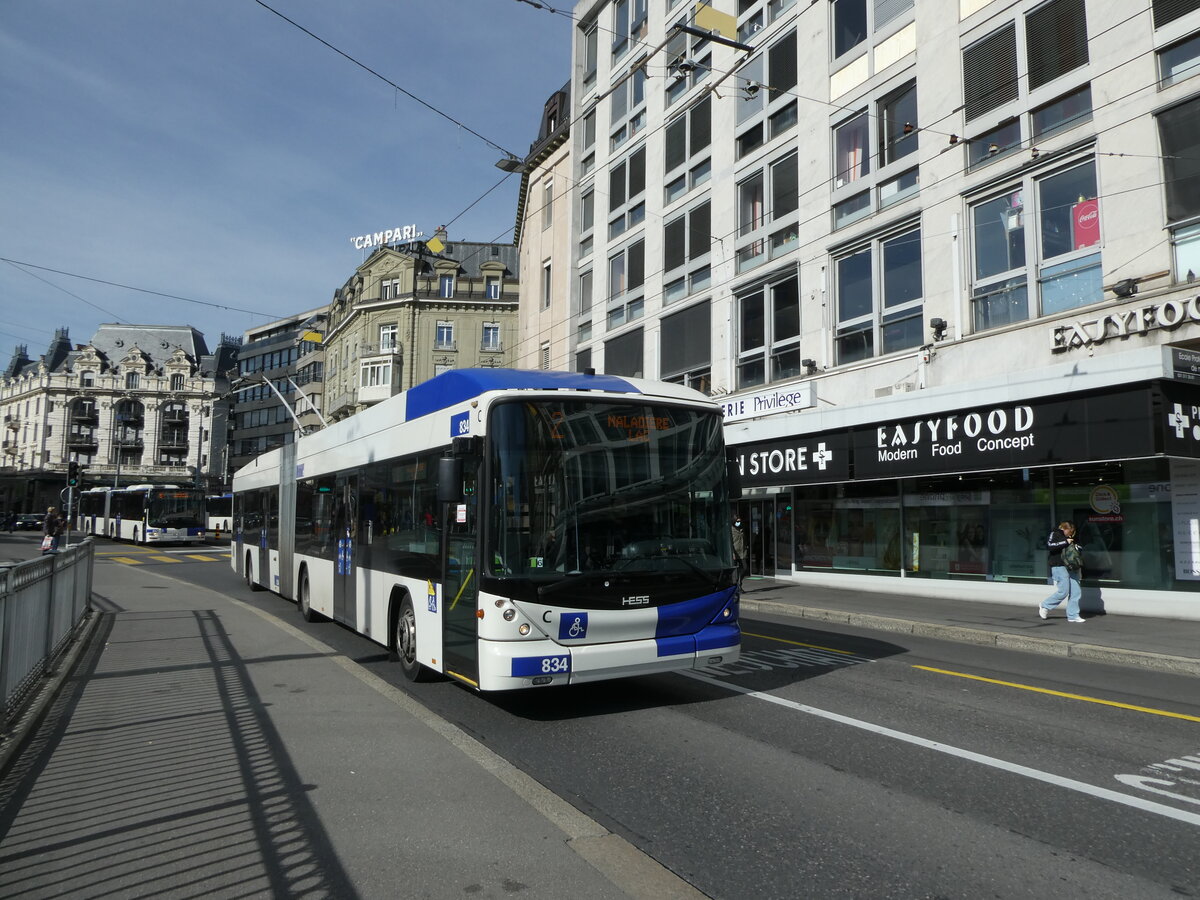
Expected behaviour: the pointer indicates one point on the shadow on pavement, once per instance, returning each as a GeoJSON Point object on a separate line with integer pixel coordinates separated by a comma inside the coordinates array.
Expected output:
{"type": "Point", "coordinates": [158, 772]}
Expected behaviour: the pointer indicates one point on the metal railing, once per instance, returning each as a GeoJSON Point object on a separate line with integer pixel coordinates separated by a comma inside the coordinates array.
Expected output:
{"type": "Point", "coordinates": [41, 602]}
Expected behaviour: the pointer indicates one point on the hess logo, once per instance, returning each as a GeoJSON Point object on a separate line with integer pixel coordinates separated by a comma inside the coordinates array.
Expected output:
{"type": "Point", "coordinates": [636, 600]}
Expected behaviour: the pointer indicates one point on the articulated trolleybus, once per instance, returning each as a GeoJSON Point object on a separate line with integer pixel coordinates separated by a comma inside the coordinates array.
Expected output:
{"type": "Point", "coordinates": [507, 528]}
{"type": "Point", "coordinates": [144, 513]}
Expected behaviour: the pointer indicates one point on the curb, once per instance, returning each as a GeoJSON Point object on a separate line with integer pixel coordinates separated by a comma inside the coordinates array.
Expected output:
{"type": "Point", "coordinates": [1159, 662]}
{"type": "Point", "coordinates": [15, 739]}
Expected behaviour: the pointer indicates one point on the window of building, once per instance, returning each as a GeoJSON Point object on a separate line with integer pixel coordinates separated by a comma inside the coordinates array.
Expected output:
{"type": "Point", "coordinates": [683, 71]}
{"type": "Point", "coordinates": [1167, 11]}
{"type": "Point", "coordinates": [544, 355]}
{"type": "Point", "coordinates": [133, 381]}
{"type": "Point", "coordinates": [685, 347]}
{"type": "Point", "coordinates": [446, 286]}
{"type": "Point", "coordinates": [629, 25]}
{"type": "Point", "coordinates": [587, 220]}
{"type": "Point", "coordinates": [865, 181]}
{"type": "Point", "coordinates": [387, 337]}
{"type": "Point", "coordinates": [585, 293]}
{"type": "Point", "coordinates": [583, 360]}
{"type": "Point", "coordinates": [628, 111]}
{"type": "Point", "coordinates": [491, 287]}
{"type": "Point", "coordinates": [687, 239]}
{"type": "Point", "coordinates": [626, 190]}
{"type": "Point", "coordinates": [176, 382]}
{"type": "Point", "coordinates": [444, 336]}
{"type": "Point", "coordinates": [879, 297]}
{"type": "Point", "coordinates": [491, 337]}
{"type": "Point", "coordinates": [87, 379]}
{"type": "Point", "coordinates": [1054, 85]}
{"type": "Point", "coordinates": [588, 47]}
{"type": "Point", "coordinates": [1041, 258]}
{"type": "Point", "coordinates": [547, 203]}
{"type": "Point", "coordinates": [626, 278]}
{"type": "Point", "coordinates": [623, 355]}
{"type": "Point", "coordinates": [769, 197]}
{"type": "Point", "coordinates": [688, 138]}
{"type": "Point", "coordinates": [769, 333]}
{"type": "Point", "coordinates": [1179, 61]}
{"type": "Point", "coordinates": [1179, 136]}
{"type": "Point", "coordinates": [855, 20]}
{"type": "Point", "coordinates": [390, 289]}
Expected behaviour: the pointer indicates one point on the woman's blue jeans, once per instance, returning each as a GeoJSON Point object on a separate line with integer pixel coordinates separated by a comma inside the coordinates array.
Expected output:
{"type": "Point", "coordinates": [1066, 587]}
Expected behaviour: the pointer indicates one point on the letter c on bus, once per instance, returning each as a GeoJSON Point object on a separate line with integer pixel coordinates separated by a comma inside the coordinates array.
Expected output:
{"type": "Point", "coordinates": [546, 616]}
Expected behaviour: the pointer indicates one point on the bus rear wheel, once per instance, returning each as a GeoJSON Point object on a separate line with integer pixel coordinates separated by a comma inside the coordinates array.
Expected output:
{"type": "Point", "coordinates": [304, 599]}
{"type": "Point", "coordinates": [406, 643]}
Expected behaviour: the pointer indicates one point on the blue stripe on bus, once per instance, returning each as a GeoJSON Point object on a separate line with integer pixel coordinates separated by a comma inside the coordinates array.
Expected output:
{"type": "Point", "coordinates": [690, 616]}
{"type": "Point", "coordinates": [714, 637]}
{"type": "Point", "coordinates": [458, 385]}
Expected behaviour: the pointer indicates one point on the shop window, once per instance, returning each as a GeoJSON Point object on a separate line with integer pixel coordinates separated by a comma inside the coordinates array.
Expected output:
{"type": "Point", "coordinates": [879, 298]}
{"type": "Point", "coordinates": [769, 334]}
{"type": "Point", "coordinates": [1060, 235]}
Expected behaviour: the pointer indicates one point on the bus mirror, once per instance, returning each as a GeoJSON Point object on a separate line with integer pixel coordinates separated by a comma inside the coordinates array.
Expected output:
{"type": "Point", "coordinates": [449, 480]}
{"type": "Point", "coordinates": [733, 475]}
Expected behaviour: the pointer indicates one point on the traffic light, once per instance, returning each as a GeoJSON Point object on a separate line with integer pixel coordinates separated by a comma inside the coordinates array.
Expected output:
{"type": "Point", "coordinates": [73, 474]}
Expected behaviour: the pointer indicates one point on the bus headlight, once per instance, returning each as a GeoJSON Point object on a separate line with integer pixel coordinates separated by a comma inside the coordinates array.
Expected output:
{"type": "Point", "coordinates": [509, 614]}
{"type": "Point", "coordinates": [524, 629]}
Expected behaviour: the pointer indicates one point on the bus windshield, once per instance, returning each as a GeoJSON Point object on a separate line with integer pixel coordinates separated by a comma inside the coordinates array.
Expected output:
{"type": "Point", "coordinates": [175, 509]}
{"type": "Point", "coordinates": [604, 486]}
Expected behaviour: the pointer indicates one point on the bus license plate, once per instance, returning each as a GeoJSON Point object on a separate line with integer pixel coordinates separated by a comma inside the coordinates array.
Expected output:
{"type": "Point", "coordinates": [526, 666]}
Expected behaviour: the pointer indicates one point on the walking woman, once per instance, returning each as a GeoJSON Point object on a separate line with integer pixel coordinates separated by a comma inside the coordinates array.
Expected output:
{"type": "Point", "coordinates": [1066, 569]}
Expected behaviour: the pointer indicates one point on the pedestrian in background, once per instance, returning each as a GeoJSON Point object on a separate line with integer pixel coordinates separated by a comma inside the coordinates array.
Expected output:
{"type": "Point", "coordinates": [739, 549]}
{"type": "Point", "coordinates": [1065, 568]}
{"type": "Point", "coordinates": [51, 529]}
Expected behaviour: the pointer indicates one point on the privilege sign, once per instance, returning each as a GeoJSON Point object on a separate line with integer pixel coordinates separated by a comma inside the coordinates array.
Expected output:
{"type": "Point", "coordinates": [764, 403]}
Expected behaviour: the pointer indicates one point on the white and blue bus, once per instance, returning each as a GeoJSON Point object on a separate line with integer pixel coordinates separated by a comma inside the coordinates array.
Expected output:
{"type": "Point", "coordinates": [218, 510]}
{"type": "Point", "coordinates": [144, 513]}
{"type": "Point", "coordinates": [507, 528]}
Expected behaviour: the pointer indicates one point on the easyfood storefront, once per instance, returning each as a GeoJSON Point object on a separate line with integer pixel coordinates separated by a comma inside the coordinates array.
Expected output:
{"type": "Point", "coordinates": [969, 495]}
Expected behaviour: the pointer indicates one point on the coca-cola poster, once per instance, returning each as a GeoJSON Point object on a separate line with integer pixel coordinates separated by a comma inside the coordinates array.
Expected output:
{"type": "Point", "coordinates": [1085, 223]}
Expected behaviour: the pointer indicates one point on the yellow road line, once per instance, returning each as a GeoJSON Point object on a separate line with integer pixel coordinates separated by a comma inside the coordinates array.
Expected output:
{"type": "Point", "coordinates": [126, 560]}
{"type": "Point", "coordinates": [767, 637]}
{"type": "Point", "coordinates": [160, 558]}
{"type": "Point", "coordinates": [1038, 690]}
{"type": "Point", "coordinates": [201, 558]}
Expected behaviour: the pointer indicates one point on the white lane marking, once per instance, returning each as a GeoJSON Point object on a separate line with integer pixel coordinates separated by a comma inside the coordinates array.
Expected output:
{"type": "Point", "coordinates": [1159, 809]}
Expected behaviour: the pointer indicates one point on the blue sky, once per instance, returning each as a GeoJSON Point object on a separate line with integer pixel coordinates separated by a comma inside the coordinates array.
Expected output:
{"type": "Point", "coordinates": [213, 151]}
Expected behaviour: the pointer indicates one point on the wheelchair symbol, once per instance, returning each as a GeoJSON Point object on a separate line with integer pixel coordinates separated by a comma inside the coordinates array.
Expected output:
{"type": "Point", "coordinates": [573, 626]}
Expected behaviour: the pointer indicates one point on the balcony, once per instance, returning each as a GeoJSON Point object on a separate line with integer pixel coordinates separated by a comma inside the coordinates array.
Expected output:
{"type": "Point", "coordinates": [86, 413]}
{"type": "Point", "coordinates": [12, 422]}
{"type": "Point", "coordinates": [173, 440]}
{"type": "Point", "coordinates": [81, 437]}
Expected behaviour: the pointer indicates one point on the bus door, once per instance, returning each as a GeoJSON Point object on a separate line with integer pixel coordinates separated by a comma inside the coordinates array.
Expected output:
{"type": "Point", "coordinates": [345, 532]}
{"type": "Point", "coordinates": [758, 524]}
{"type": "Point", "coordinates": [460, 581]}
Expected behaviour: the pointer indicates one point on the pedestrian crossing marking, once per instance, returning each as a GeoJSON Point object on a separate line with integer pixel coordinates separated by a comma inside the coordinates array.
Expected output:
{"type": "Point", "coordinates": [127, 560]}
{"type": "Point", "coordinates": [158, 557]}
{"type": "Point", "coordinates": [200, 557]}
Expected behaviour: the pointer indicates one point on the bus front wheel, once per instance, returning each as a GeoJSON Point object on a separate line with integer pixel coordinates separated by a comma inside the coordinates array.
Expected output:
{"type": "Point", "coordinates": [304, 599]}
{"type": "Point", "coordinates": [406, 643]}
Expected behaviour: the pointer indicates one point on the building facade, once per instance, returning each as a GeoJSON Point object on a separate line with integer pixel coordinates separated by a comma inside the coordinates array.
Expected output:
{"type": "Point", "coordinates": [936, 258]}
{"type": "Point", "coordinates": [543, 234]}
{"type": "Point", "coordinates": [137, 403]}
{"type": "Point", "coordinates": [280, 378]}
{"type": "Point", "coordinates": [412, 311]}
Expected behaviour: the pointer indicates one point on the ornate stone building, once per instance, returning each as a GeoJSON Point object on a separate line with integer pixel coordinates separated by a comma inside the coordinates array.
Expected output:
{"type": "Point", "coordinates": [409, 313]}
{"type": "Point", "coordinates": [137, 403]}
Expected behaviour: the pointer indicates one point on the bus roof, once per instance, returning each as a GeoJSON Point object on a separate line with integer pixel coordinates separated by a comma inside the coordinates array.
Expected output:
{"type": "Point", "coordinates": [457, 385]}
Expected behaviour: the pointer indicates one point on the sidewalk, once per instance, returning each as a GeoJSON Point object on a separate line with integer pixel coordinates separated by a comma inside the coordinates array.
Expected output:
{"type": "Point", "coordinates": [199, 747]}
{"type": "Point", "coordinates": [1168, 645]}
